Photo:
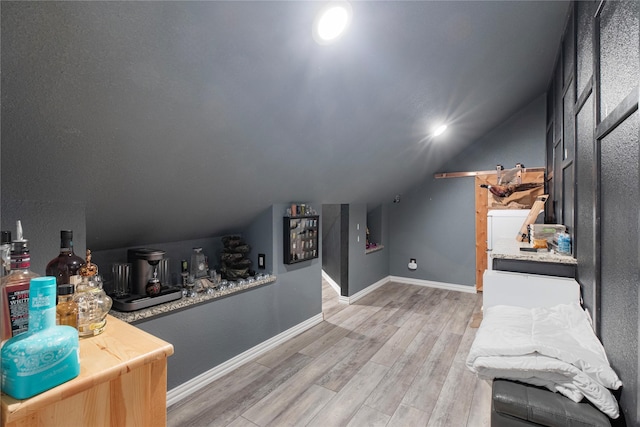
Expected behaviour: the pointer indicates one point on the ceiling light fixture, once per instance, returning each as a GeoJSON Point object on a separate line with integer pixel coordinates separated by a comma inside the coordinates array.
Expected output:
{"type": "Point", "coordinates": [438, 130]}
{"type": "Point", "coordinates": [331, 22]}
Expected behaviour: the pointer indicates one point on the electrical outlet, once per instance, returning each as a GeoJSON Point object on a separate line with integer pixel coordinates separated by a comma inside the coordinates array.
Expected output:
{"type": "Point", "coordinates": [261, 264]}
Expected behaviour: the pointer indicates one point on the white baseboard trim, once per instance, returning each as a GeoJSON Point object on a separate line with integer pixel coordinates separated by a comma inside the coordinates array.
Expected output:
{"type": "Point", "coordinates": [409, 281]}
{"type": "Point", "coordinates": [185, 389]}
{"type": "Point", "coordinates": [355, 297]}
{"type": "Point", "coordinates": [432, 284]}
{"type": "Point", "coordinates": [331, 282]}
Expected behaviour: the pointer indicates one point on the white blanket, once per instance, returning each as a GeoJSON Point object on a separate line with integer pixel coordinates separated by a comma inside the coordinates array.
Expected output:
{"type": "Point", "coordinates": [552, 347]}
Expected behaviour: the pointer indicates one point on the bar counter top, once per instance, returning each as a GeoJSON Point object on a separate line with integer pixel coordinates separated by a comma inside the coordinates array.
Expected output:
{"type": "Point", "coordinates": [510, 249]}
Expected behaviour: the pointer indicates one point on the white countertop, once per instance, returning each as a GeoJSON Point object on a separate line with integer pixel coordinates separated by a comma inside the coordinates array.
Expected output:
{"type": "Point", "coordinates": [510, 249]}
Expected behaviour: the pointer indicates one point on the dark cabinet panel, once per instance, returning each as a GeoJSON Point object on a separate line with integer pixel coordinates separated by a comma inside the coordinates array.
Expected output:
{"type": "Point", "coordinates": [619, 53]}
{"type": "Point", "coordinates": [558, 90]}
{"type": "Point", "coordinates": [595, 175]}
{"type": "Point", "coordinates": [557, 182]}
{"type": "Point", "coordinates": [568, 51]}
{"type": "Point", "coordinates": [568, 125]}
{"type": "Point", "coordinates": [568, 183]}
{"type": "Point", "coordinates": [548, 207]}
{"type": "Point", "coordinates": [584, 235]}
{"type": "Point", "coordinates": [584, 44]}
{"type": "Point", "coordinates": [620, 199]}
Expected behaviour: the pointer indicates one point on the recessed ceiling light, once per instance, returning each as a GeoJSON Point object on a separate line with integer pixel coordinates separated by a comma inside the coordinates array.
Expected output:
{"type": "Point", "coordinates": [331, 22]}
{"type": "Point", "coordinates": [438, 130]}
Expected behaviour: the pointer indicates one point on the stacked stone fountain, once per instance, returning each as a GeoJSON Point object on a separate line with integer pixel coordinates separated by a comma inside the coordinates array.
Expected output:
{"type": "Point", "coordinates": [233, 260]}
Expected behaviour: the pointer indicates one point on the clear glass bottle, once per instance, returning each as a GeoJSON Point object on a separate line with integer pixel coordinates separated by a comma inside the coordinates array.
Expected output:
{"type": "Point", "coordinates": [14, 289]}
{"type": "Point", "coordinates": [93, 302]}
{"type": "Point", "coordinates": [65, 266]}
{"type": "Point", "coordinates": [67, 308]}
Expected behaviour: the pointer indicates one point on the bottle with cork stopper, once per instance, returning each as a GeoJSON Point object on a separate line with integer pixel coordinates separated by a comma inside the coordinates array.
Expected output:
{"type": "Point", "coordinates": [93, 303]}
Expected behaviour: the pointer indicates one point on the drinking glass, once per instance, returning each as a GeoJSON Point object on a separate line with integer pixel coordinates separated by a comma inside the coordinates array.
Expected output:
{"type": "Point", "coordinates": [163, 272]}
{"type": "Point", "coordinates": [121, 277]}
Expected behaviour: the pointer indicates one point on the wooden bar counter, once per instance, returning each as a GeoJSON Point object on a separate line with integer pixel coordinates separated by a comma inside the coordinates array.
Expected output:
{"type": "Point", "coordinates": [122, 382]}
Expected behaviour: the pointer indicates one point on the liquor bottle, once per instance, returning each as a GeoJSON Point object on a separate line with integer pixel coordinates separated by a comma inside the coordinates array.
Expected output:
{"type": "Point", "coordinates": [14, 289]}
{"type": "Point", "coordinates": [65, 266]}
{"type": "Point", "coordinates": [93, 303]}
{"type": "Point", "coordinates": [47, 355]}
{"type": "Point", "coordinates": [66, 309]}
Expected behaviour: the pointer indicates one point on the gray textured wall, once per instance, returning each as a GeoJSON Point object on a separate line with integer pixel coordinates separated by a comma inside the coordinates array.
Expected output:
{"type": "Point", "coordinates": [345, 244]}
{"type": "Point", "coordinates": [435, 223]}
{"type": "Point", "coordinates": [220, 330]}
{"type": "Point", "coordinates": [375, 218]}
{"type": "Point", "coordinates": [207, 335]}
{"type": "Point", "coordinates": [331, 241]}
{"type": "Point", "coordinates": [262, 240]}
{"type": "Point", "coordinates": [365, 269]}
{"type": "Point", "coordinates": [41, 222]}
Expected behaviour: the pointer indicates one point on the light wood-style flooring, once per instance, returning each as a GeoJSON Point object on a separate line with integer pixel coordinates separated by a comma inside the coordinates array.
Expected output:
{"type": "Point", "coordinates": [396, 357]}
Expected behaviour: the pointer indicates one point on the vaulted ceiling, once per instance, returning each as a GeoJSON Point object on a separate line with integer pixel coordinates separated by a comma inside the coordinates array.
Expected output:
{"type": "Point", "coordinates": [179, 120]}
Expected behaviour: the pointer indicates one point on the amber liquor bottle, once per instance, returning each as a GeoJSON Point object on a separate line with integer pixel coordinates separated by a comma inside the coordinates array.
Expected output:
{"type": "Point", "coordinates": [66, 309]}
{"type": "Point", "coordinates": [65, 266]}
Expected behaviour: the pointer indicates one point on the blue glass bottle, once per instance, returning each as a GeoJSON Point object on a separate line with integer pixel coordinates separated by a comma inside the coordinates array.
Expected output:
{"type": "Point", "coordinates": [45, 356]}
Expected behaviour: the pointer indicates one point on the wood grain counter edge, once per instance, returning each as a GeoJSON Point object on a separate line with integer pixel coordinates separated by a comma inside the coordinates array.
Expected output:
{"type": "Point", "coordinates": [120, 349]}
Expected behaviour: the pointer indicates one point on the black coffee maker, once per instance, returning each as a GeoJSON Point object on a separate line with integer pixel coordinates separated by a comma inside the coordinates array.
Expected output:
{"type": "Point", "coordinates": [144, 264]}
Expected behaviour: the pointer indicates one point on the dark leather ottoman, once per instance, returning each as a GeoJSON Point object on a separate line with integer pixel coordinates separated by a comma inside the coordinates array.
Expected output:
{"type": "Point", "coordinates": [514, 404]}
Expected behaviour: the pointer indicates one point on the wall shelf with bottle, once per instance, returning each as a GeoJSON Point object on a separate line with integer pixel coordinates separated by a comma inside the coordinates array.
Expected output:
{"type": "Point", "coordinates": [300, 238]}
